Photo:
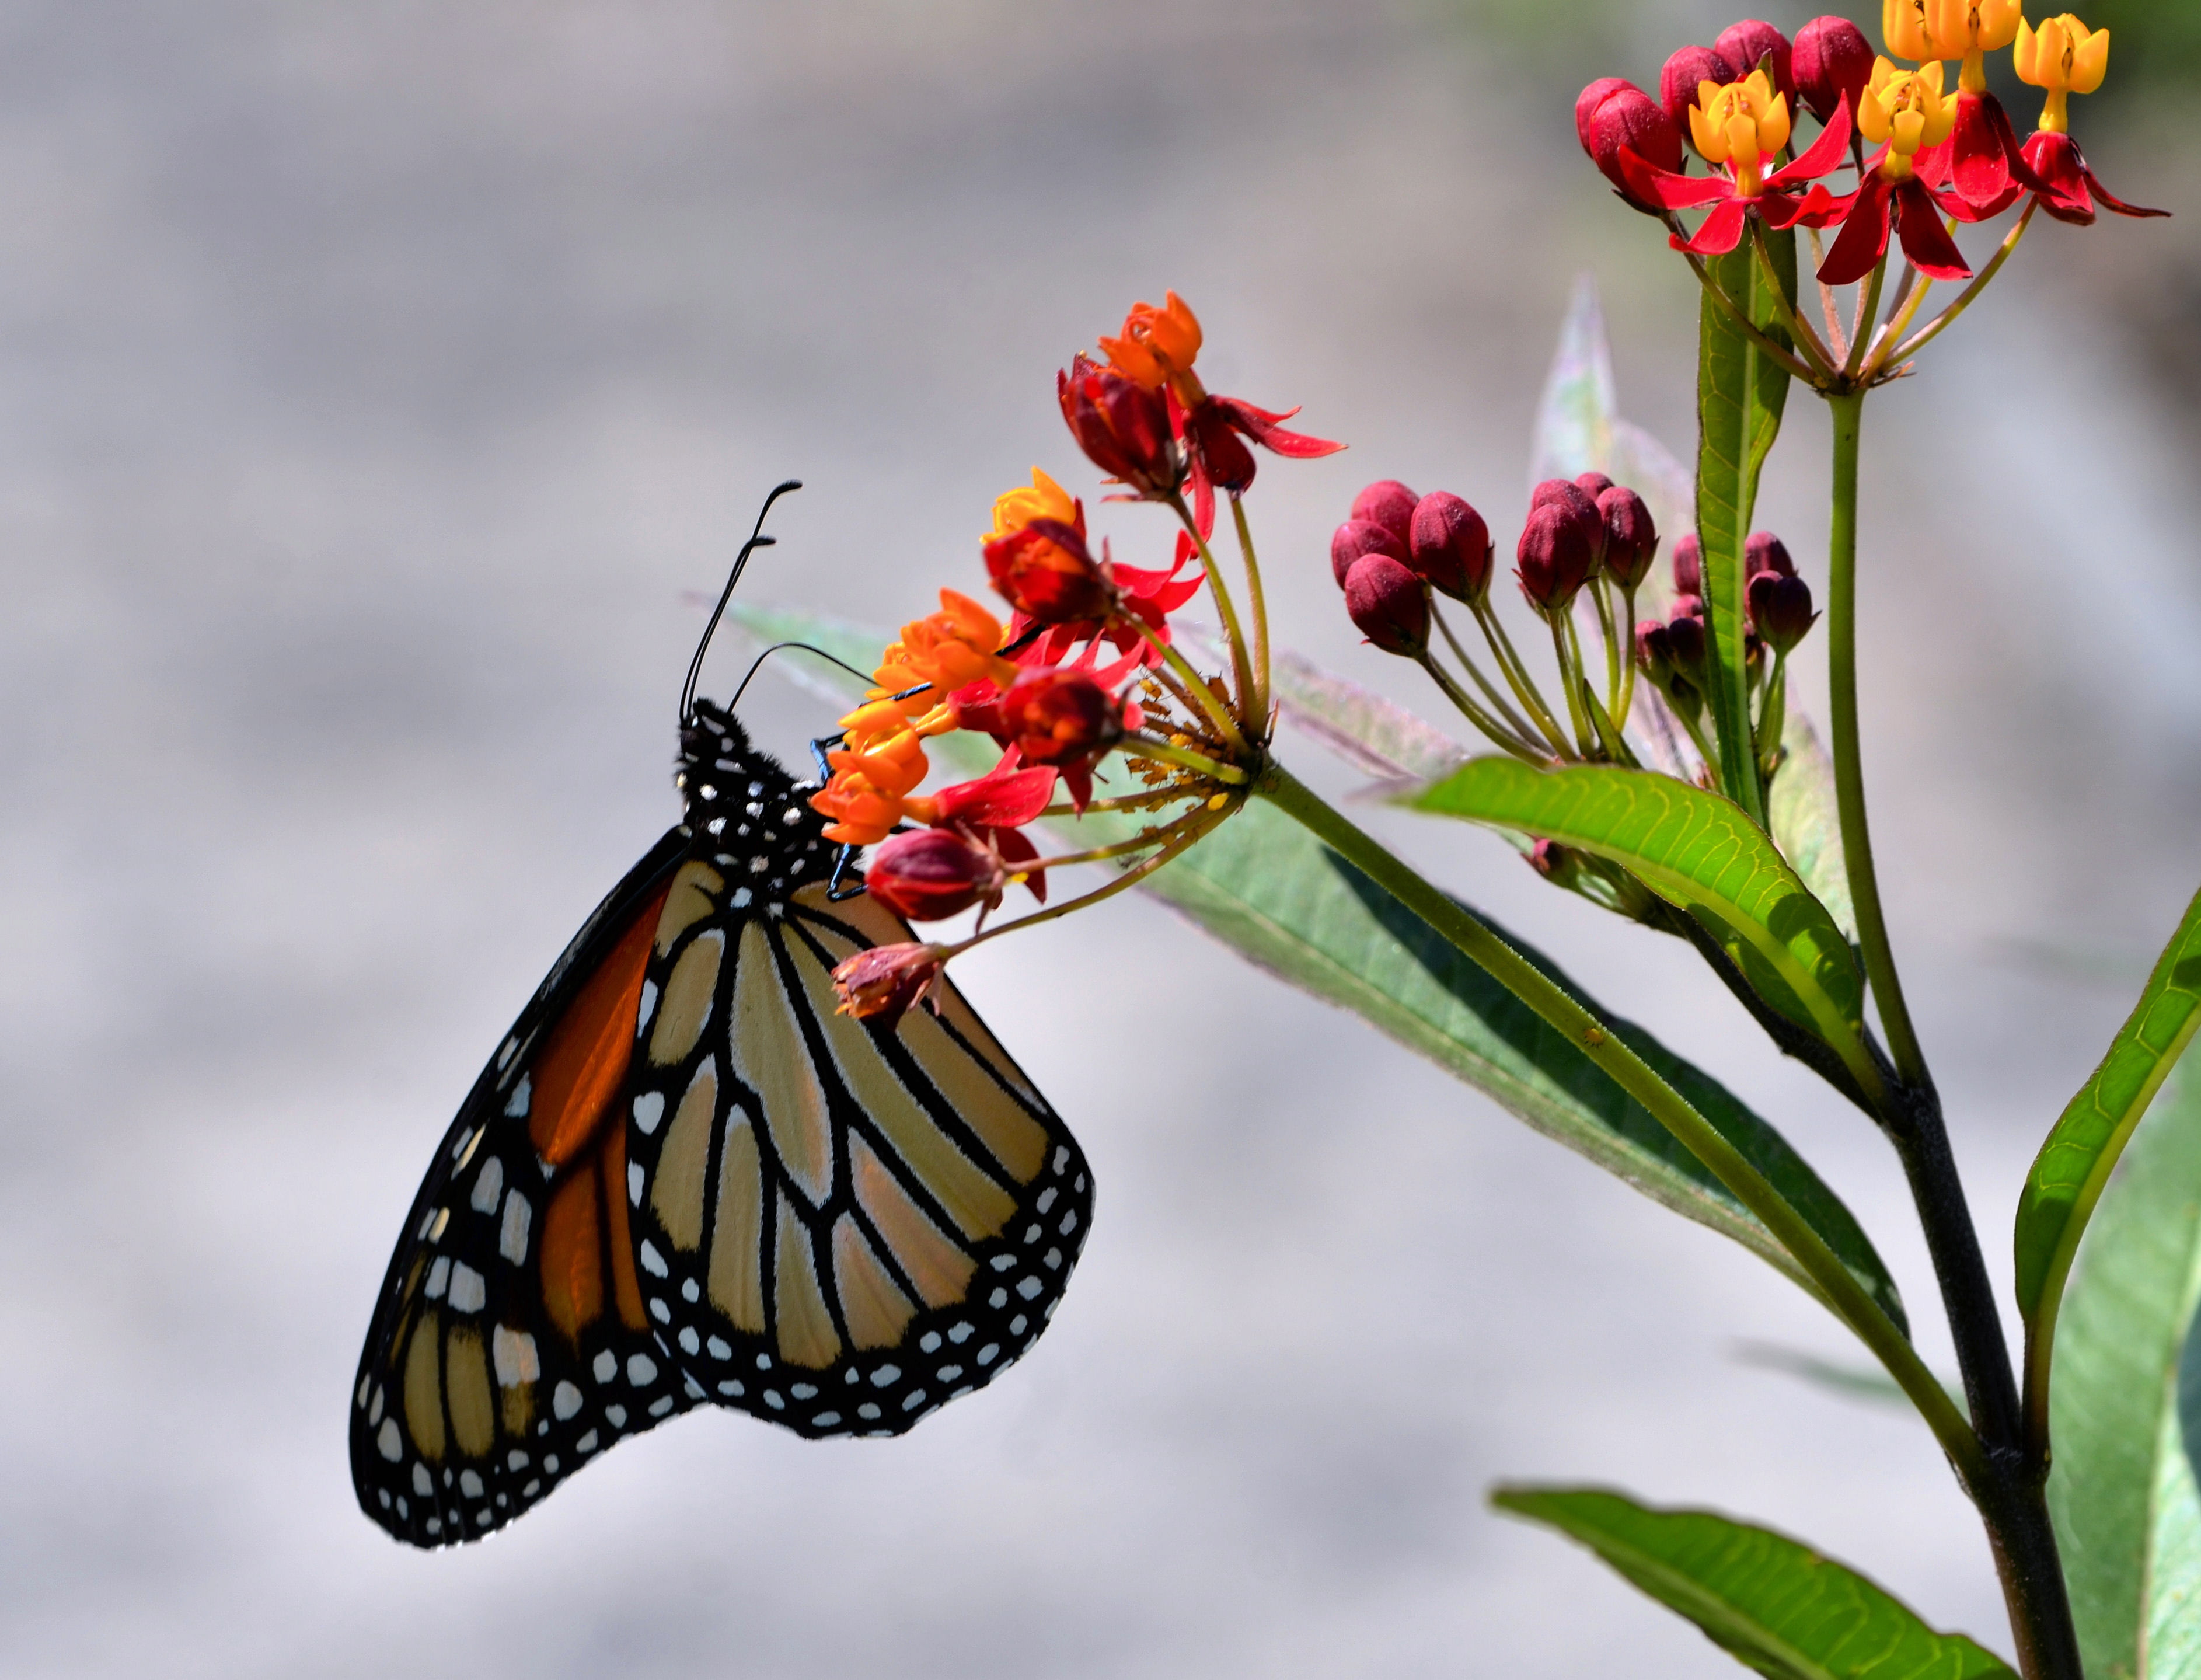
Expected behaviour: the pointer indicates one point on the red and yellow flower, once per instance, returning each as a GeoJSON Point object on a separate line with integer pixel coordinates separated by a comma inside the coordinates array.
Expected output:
{"type": "Point", "coordinates": [1907, 113]}
{"type": "Point", "coordinates": [2063, 57]}
{"type": "Point", "coordinates": [1741, 128]}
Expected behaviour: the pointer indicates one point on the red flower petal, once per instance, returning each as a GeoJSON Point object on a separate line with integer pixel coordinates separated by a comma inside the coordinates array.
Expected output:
{"type": "Point", "coordinates": [1669, 191]}
{"type": "Point", "coordinates": [1003, 798]}
{"type": "Point", "coordinates": [1722, 230]}
{"type": "Point", "coordinates": [1825, 155]}
{"type": "Point", "coordinates": [2110, 200]}
{"type": "Point", "coordinates": [1863, 239]}
{"type": "Point", "coordinates": [1260, 425]}
{"type": "Point", "coordinates": [1925, 241]}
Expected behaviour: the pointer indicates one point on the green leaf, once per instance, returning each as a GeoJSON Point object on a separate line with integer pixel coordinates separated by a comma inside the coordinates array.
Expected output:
{"type": "Point", "coordinates": [1805, 821]}
{"type": "Point", "coordinates": [2125, 1410]}
{"type": "Point", "coordinates": [1263, 886]}
{"type": "Point", "coordinates": [1740, 393]}
{"type": "Point", "coordinates": [2074, 1164]}
{"type": "Point", "coordinates": [1700, 852]}
{"type": "Point", "coordinates": [1774, 1603]}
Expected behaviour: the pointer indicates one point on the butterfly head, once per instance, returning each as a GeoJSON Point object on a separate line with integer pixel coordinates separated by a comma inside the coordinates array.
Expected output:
{"type": "Point", "coordinates": [747, 814]}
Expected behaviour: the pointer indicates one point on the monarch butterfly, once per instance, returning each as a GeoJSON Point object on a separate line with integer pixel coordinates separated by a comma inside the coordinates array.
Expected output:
{"type": "Point", "coordinates": [683, 1176]}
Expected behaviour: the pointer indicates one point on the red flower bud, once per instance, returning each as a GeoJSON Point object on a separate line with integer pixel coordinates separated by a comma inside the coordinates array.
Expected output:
{"type": "Point", "coordinates": [1122, 426]}
{"type": "Point", "coordinates": [1687, 607]}
{"type": "Point", "coordinates": [1685, 642]}
{"type": "Point", "coordinates": [1388, 503]}
{"type": "Point", "coordinates": [1781, 606]}
{"type": "Point", "coordinates": [1627, 117]}
{"type": "Point", "coordinates": [884, 983]}
{"type": "Point", "coordinates": [1833, 58]}
{"type": "Point", "coordinates": [1451, 547]}
{"type": "Point", "coordinates": [1765, 552]}
{"type": "Point", "coordinates": [933, 873]}
{"type": "Point", "coordinates": [1745, 45]}
{"type": "Point", "coordinates": [1060, 718]}
{"type": "Point", "coordinates": [1587, 101]}
{"type": "Point", "coordinates": [1654, 651]}
{"type": "Point", "coordinates": [1387, 602]}
{"type": "Point", "coordinates": [1581, 506]}
{"type": "Point", "coordinates": [1593, 484]}
{"type": "Point", "coordinates": [1677, 82]}
{"type": "Point", "coordinates": [1358, 537]}
{"type": "Point", "coordinates": [1689, 565]}
{"type": "Point", "coordinates": [1631, 540]}
{"type": "Point", "coordinates": [1555, 553]}
{"type": "Point", "coordinates": [1560, 865]}
{"type": "Point", "coordinates": [1045, 572]}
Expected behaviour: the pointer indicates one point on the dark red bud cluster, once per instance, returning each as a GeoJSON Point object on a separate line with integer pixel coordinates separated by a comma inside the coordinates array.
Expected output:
{"type": "Point", "coordinates": [1752, 43]}
{"type": "Point", "coordinates": [1832, 59]}
{"type": "Point", "coordinates": [1439, 539]}
{"type": "Point", "coordinates": [1679, 79]}
{"type": "Point", "coordinates": [1631, 540]}
{"type": "Point", "coordinates": [1780, 601]}
{"type": "Point", "coordinates": [1612, 115]}
{"type": "Point", "coordinates": [1562, 544]}
{"type": "Point", "coordinates": [1765, 552]}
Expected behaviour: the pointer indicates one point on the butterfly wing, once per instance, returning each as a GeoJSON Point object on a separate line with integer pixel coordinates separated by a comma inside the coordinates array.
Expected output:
{"type": "Point", "coordinates": [839, 1226]}
{"type": "Point", "coordinates": [509, 1345]}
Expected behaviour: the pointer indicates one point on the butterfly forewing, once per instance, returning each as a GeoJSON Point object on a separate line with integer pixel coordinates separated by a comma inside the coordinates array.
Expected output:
{"type": "Point", "coordinates": [510, 1344]}
{"type": "Point", "coordinates": [839, 1226]}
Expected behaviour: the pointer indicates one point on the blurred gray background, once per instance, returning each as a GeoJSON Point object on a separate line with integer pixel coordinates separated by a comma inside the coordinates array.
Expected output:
{"type": "Point", "coordinates": [381, 385]}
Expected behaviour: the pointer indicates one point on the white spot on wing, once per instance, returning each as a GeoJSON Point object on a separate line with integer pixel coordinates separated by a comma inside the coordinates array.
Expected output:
{"type": "Point", "coordinates": [605, 1366]}
{"type": "Point", "coordinates": [513, 1353]}
{"type": "Point", "coordinates": [649, 1110]}
{"type": "Point", "coordinates": [652, 1261]}
{"type": "Point", "coordinates": [634, 1182]}
{"type": "Point", "coordinates": [512, 1240]}
{"type": "Point", "coordinates": [648, 1006]}
{"type": "Point", "coordinates": [641, 1369]}
{"type": "Point", "coordinates": [469, 1291]}
{"type": "Point", "coordinates": [439, 1274]}
{"type": "Point", "coordinates": [517, 1107]}
{"type": "Point", "coordinates": [421, 1484]}
{"type": "Point", "coordinates": [488, 1186]}
{"type": "Point", "coordinates": [389, 1443]}
{"type": "Point", "coordinates": [565, 1401]}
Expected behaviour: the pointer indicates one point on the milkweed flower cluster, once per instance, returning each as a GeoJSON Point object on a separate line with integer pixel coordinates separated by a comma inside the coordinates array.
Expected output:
{"type": "Point", "coordinates": [1943, 156]}
{"type": "Point", "coordinates": [1085, 670]}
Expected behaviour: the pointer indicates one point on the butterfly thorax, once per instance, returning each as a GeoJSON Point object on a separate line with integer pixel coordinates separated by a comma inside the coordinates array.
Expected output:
{"type": "Point", "coordinates": [748, 816]}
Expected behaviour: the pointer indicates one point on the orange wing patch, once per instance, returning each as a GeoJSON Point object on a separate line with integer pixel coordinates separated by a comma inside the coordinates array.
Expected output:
{"type": "Point", "coordinates": [584, 1059]}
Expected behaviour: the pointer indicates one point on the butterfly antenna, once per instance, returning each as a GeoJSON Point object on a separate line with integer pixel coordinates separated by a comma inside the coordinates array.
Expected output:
{"type": "Point", "coordinates": [782, 646]}
{"type": "Point", "coordinates": [757, 540]}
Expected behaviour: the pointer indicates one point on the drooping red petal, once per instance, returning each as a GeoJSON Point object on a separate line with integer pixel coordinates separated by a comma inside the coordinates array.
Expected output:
{"type": "Point", "coordinates": [2055, 159]}
{"type": "Point", "coordinates": [1722, 230]}
{"type": "Point", "coordinates": [2109, 200]}
{"type": "Point", "coordinates": [1669, 191]}
{"type": "Point", "coordinates": [1925, 241]}
{"type": "Point", "coordinates": [1863, 239]}
{"type": "Point", "coordinates": [1260, 425]}
{"type": "Point", "coordinates": [1816, 208]}
{"type": "Point", "coordinates": [1824, 155]}
{"type": "Point", "coordinates": [1016, 849]}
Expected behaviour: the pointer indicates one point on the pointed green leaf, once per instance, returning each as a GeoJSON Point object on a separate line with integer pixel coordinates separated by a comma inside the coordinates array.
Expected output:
{"type": "Point", "coordinates": [1774, 1603]}
{"type": "Point", "coordinates": [1740, 394]}
{"type": "Point", "coordinates": [2074, 1164]}
{"type": "Point", "coordinates": [2126, 1409]}
{"type": "Point", "coordinates": [1698, 851]}
{"type": "Point", "coordinates": [1262, 884]}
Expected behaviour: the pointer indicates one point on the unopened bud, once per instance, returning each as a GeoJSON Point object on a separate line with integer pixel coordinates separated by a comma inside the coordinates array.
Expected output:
{"type": "Point", "coordinates": [1581, 505]}
{"type": "Point", "coordinates": [1358, 537]}
{"type": "Point", "coordinates": [1450, 546]}
{"type": "Point", "coordinates": [1677, 82]}
{"type": "Point", "coordinates": [1593, 484]}
{"type": "Point", "coordinates": [1624, 118]}
{"type": "Point", "coordinates": [1765, 552]}
{"type": "Point", "coordinates": [1685, 606]}
{"type": "Point", "coordinates": [1781, 609]}
{"type": "Point", "coordinates": [1555, 553]}
{"type": "Point", "coordinates": [884, 981]}
{"type": "Point", "coordinates": [1688, 565]}
{"type": "Point", "coordinates": [1685, 641]}
{"type": "Point", "coordinates": [1388, 503]}
{"type": "Point", "coordinates": [1385, 602]}
{"type": "Point", "coordinates": [1560, 865]}
{"type": "Point", "coordinates": [1654, 651]}
{"type": "Point", "coordinates": [1833, 58]}
{"type": "Point", "coordinates": [1747, 44]}
{"type": "Point", "coordinates": [1631, 540]}
{"type": "Point", "coordinates": [932, 874]}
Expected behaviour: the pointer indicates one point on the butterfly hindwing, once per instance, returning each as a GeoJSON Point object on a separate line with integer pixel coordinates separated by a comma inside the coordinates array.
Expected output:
{"type": "Point", "coordinates": [509, 1345]}
{"type": "Point", "coordinates": [839, 1225]}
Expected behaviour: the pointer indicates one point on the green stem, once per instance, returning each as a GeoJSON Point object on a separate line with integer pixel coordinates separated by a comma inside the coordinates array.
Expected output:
{"type": "Point", "coordinates": [1517, 675]}
{"type": "Point", "coordinates": [1800, 330]}
{"type": "Point", "coordinates": [1628, 685]}
{"type": "Point", "coordinates": [1498, 702]}
{"type": "Point", "coordinates": [1569, 678]}
{"type": "Point", "coordinates": [1482, 719]}
{"type": "Point", "coordinates": [1256, 603]}
{"type": "Point", "coordinates": [1868, 314]}
{"type": "Point", "coordinates": [1925, 335]}
{"type": "Point", "coordinates": [1602, 595]}
{"type": "Point", "coordinates": [1821, 1267]}
{"type": "Point", "coordinates": [1241, 663]}
{"type": "Point", "coordinates": [1848, 410]}
{"type": "Point", "coordinates": [1193, 826]}
{"type": "Point", "coordinates": [1741, 318]}
{"type": "Point", "coordinates": [1145, 746]}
